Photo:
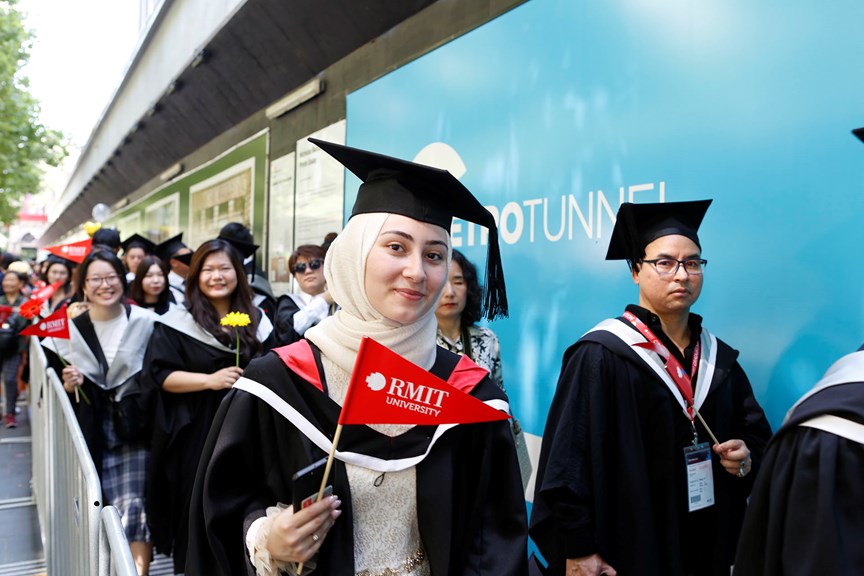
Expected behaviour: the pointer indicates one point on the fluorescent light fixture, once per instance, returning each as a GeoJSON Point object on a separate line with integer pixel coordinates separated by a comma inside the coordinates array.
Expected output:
{"type": "Point", "coordinates": [171, 172]}
{"type": "Point", "coordinates": [294, 99]}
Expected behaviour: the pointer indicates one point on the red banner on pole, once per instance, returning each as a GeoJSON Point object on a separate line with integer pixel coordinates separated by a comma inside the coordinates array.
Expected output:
{"type": "Point", "coordinates": [75, 251]}
{"type": "Point", "coordinates": [55, 326]}
{"type": "Point", "coordinates": [386, 388]}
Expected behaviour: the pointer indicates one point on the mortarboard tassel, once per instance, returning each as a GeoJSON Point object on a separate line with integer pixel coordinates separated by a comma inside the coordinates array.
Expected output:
{"type": "Point", "coordinates": [494, 290]}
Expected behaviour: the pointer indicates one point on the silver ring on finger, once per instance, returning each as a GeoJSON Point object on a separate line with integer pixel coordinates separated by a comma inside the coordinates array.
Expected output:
{"type": "Point", "coordinates": [315, 537]}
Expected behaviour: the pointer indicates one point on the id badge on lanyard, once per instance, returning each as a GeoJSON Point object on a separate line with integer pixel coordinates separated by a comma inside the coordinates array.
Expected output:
{"type": "Point", "coordinates": [697, 457]}
{"type": "Point", "coordinates": [700, 478]}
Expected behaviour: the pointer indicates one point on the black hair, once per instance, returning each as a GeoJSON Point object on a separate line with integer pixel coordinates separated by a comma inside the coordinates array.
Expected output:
{"type": "Point", "coordinates": [202, 309]}
{"type": "Point", "coordinates": [68, 264]}
{"type": "Point", "coordinates": [308, 251]}
{"type": "Point", "coordinates": [474, 296]}
{"type": "Point", "coordinates": [109, 237]}
{"type": "Point", "coordinates": [7, 259]}
{"type": "Point", "coordinates": [136, 288]}
{"type": "Point", "coordinates": [236, 231]}
{"type": "Point", "coordinates": [104, 255]}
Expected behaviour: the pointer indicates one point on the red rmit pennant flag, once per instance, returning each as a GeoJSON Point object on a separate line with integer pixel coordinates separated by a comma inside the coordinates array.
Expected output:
{"type": "Point", "coordinates": [46, 292]}
{"type": "Point", "coordinates": [75, 251]}
{"type": "Point", "coordinates": [386, 388]}
{"type": "Point", "coordinates": [33, 307]}
{"type": "Point", "coordinates": [55, 326]}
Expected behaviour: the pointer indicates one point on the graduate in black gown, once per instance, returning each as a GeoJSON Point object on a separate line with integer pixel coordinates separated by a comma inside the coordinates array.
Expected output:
{"type": "Point", "coordinates": [149, 288]}
{"type": "Point", "coordinates": [612, 493]}
{"type": "Point", "coordinates": [299, 311]}
{"type": "Point", "coordinates": [191, 362]}
{"type": "Point", "coordinates": [178, 256]}
{"type": "Point", "coordinates": [806, 513]}
{"type": "Point", "coordinates": [411, 500]}
{"type": "Point", "coordinates": [101, 366]}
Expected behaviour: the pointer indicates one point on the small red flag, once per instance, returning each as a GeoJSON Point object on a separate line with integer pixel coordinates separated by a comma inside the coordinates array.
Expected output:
{"type": "Point", "coordinates": [56, 326]}
{"type": "Point", "coordinates": [33, 307]}
{"type": "Point", "coordinates": [46, 292]}
{"type": "Point", "coordinates": [75, 251]}
{"type": "Point", "coordinates": [386, 388]}
{"type": "Point", "coordinates": [5, 313]}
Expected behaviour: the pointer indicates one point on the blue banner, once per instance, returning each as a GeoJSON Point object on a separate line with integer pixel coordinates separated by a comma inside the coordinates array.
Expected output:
{"type": "Point", "coordinates": [561, 110]}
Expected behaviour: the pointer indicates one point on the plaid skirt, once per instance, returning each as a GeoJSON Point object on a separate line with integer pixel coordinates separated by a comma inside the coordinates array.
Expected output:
{"type": "Point", "coordinates": [124, 472]}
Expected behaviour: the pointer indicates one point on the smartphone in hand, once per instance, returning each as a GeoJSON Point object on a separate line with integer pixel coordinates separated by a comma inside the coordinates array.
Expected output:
{"type": "Point", "coordinates": [307, 482]}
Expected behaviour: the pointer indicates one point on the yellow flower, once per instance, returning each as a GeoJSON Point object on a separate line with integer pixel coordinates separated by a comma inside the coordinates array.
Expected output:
{"type": "Point", "coordinates": [236, 319]}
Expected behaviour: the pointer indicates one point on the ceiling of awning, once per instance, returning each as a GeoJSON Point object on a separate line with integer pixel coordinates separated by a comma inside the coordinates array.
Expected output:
{"type": "Point", "coordinates": [266, 50]}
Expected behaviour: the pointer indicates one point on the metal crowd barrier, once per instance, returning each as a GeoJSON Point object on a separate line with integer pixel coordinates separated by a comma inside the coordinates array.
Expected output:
{"type": "Point", "coordinates": [66, 487]}
{"type": "Point", "coordinates": [115, 559]}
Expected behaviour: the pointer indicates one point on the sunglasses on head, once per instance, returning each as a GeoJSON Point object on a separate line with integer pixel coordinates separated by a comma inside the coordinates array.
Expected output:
{"type": "Point", "coordinates": [313, 265]}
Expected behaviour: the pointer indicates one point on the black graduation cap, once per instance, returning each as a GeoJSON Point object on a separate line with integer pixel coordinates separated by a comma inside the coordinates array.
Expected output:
{"type": "Point", "coordinates": [245, 249]}
{"type": "Point", "coordinates": [166, 250]}
{"type": "Point", "coordinates": [859, 132]}
{"type": "Point", "coordinates": [138, 241]}
{"type": "Point", "coordinates": [184, 258]}
{"type": "Point", "coordinates": [236, 234]}
{"type": "Point", "coordinates": [637, 225]}
{"type": "Point", "coordinates": [427, 194]}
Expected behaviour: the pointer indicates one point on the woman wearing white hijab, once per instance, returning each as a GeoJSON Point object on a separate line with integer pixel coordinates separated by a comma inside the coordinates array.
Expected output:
{"type": "Point", "coordinates": [408, 500]}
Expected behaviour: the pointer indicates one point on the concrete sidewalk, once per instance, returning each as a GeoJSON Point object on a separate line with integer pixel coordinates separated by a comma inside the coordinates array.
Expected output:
{"type": "Point", "coordinates": [21, 551]}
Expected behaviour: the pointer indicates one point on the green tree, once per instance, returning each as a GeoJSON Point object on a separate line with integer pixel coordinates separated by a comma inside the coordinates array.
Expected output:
{"type": "Point", "coordinates": [26, 146]}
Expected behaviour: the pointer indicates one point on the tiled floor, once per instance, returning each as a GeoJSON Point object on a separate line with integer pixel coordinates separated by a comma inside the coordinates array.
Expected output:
{"type": "Point", "coordinates": [21, 550]}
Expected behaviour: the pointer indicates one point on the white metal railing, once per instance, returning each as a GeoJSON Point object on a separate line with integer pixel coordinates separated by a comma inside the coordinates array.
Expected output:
{"type": "Point", "coordinates": [66, 487]}
{"type": "Point", "coordinates": [115, 559]}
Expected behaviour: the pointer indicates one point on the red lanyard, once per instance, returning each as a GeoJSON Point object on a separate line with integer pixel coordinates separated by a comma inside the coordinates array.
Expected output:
{"type": "Point", "coordinates": [672, 366]}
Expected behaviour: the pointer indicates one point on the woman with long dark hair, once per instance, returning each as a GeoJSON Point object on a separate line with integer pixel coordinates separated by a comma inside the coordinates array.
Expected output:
{"type": "Point", "coordinates": [192, 361]}
{"type": "Point", "coordinates": [150, 289]}
{"type": "Point", "coordinates": [104, 357]}
{"type": "Point", "coordinates": [57, 269]}
{"type": "Point", "coordinates": [458, 312]}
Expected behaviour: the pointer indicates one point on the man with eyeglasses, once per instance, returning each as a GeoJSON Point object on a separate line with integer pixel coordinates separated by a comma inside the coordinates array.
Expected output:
{"type": "Point", "coordinates": [654, 434]}
{"type": "Point", "coordinates": [299, 311]}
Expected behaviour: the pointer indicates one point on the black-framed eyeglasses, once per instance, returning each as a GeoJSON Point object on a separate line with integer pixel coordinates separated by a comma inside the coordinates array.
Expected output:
{"type": "Point", "coordinates": [669, 266]}
{"type": "Point", "coordinates": [313, 265]}
{"type": "Point", "coordinates": [96, 281]}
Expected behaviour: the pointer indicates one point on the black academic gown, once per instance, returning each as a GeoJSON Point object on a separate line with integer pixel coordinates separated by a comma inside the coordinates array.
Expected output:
{"type": "Point", "coordinates": [806, 513]}
{"type": "Point", "coordinates": [180, 423]}
{"type": "Point", "coordinates": [612, 478]}
{"type": "Point", "coordinates": [101, 380]}
{"type": "Point", "coordinates": [471, 509]}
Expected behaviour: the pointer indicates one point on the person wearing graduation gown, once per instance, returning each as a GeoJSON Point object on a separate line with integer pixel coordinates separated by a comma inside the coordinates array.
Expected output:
{"type": "Point", "coordinates": [192, 360]}
{"type": "Point", "coordinates": [178, 256]}
{"type": "Point", "coordinates": [297, 312]}
{"type": "Point", "coordinates": [135, 248]}
{"type": "Point", "coordinates": [241, 238]}
{"type": "Point", "coordinates": [806, 512]}
{"type": "Point", "coordinates": [101, 368]}
{"type": "Point", "coordinates": [149, 288]}
{"type": "Point", "coordinates": [410, 500]}
{"type": "Point", "coordinates": [612, 494]}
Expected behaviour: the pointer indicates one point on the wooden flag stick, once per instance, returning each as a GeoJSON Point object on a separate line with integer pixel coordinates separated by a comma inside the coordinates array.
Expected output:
{"type": "Point", "coordinates": [705, 424]}
{"type": "Point", "coordinates": [77, 397]}
{"type": "Point", "coordinates": [63, 361]}
{"type": "Point", "coordinates": [326, 477]}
